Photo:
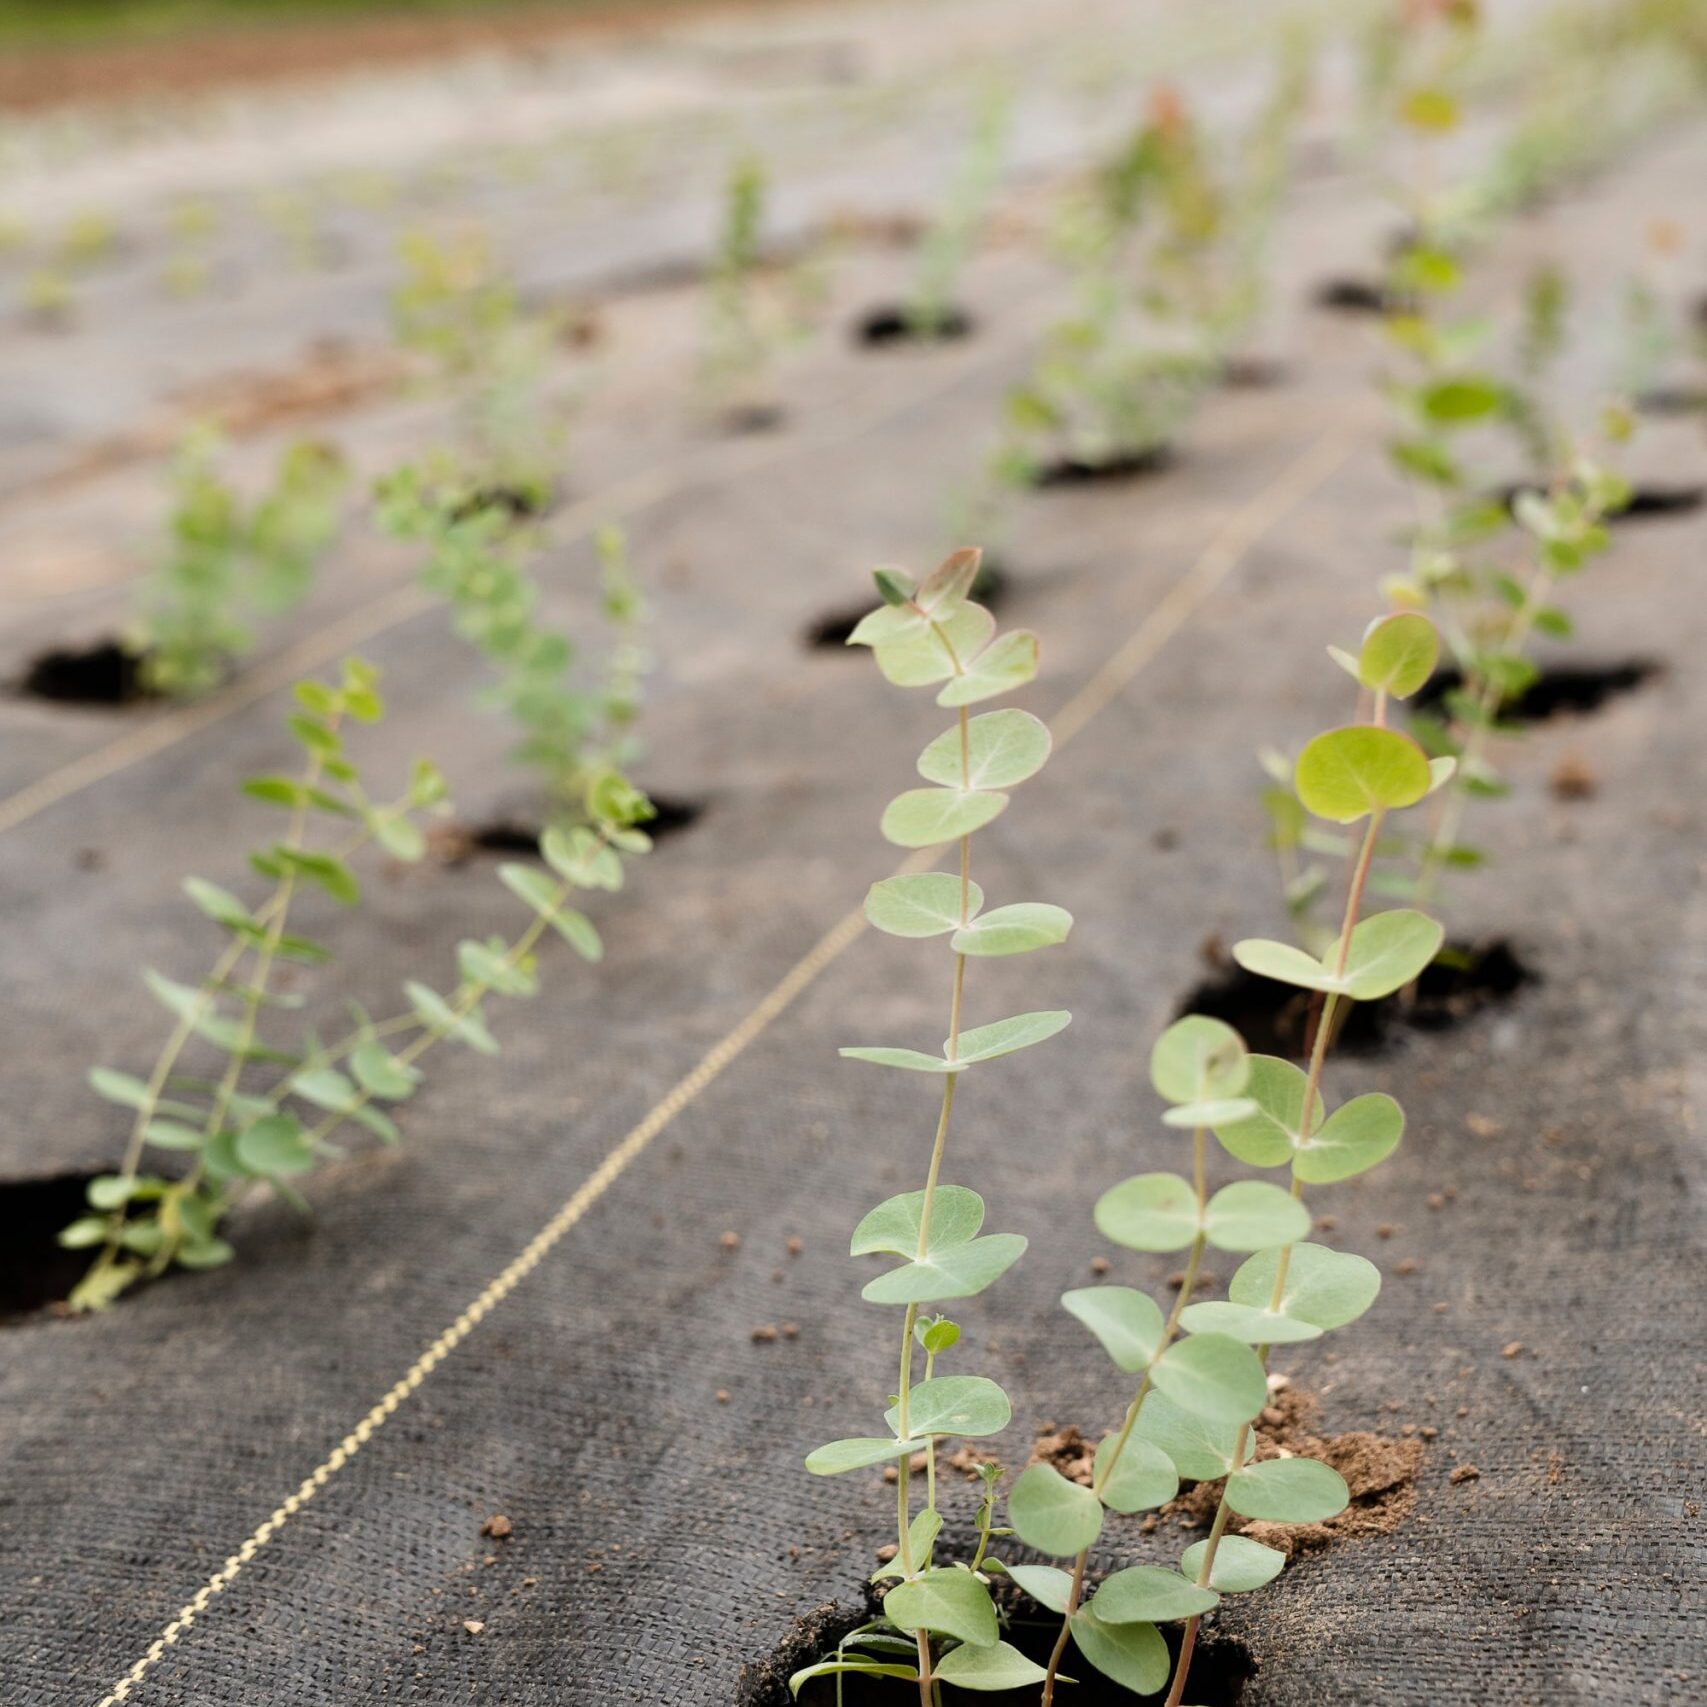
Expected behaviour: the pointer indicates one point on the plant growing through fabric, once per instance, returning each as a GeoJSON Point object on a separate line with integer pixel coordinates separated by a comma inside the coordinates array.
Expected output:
{"type": "Point", "coordinates": [739, 345]}
{"type": "Point", "coordinates": [461, 315]}
{"type": "Point", "coordinates": [575, 714]}
{"type": "Point", "coordinates": [939, 1623]}
{"type": "Point", "coordinates": [1190, 1414]}
{"type": "Point", "coordinates": [226, 562]}
{"type": "Point", "coordinates": [232, 1105]}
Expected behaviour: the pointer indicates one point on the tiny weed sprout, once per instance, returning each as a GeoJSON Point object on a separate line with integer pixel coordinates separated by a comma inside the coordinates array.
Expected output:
{"type": "Point", "coordinates": [229, 1133]}
{"type": "Point", "coordinates": [1202, 1369]}
{"type": "Point", "coordinates": [480, 560]}
{"type": "Point", "coordinates": [457, 312]}
{"type": "Point", "coordinates": [939, 1623]}
{"type": "Point", "coordinates": [932, 310]}
{"type": "Point", "coordinates": [225, 562]}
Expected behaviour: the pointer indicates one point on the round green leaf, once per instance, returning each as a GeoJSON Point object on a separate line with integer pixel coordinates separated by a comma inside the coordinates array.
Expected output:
{"type": "Point", "coordinates": [860, 1453]}
{"type": "Point", "coordinates": [1398, 654]}
{"type": "Point", "coordinates": [1285, 964]}
{"type": "Point", "coordinates": [1053, 1515]}
{"type": "Point", "coordinates": [1287, 1490]}
{"type": "Point", "coordinates": [998, 1667]}
{"type": "Point", "coordinates": [1352, 1140]}
{"type": "Point", "coordinates": [1267, 1138]}
{"type": "Point", "coordinates": [275, 1144]}
{"type": "Point", "coordinates": [1240, 1564]}
{"type": "Point", "coordinates": [1200, 1450]}
{"type": "Point", "coordinates": [1389, 951]}
{"type": "Point", "coordinates": [1005, 1036]}
{"type": "Point", "coordinates": [1143, 1476]}
{"type": "Point", "coordinates": [1149, 1212]}
{"type": "Point", "coordinates": [1014, 929]}
{"type": "Point", "coordinates": [1198, 1059]}
{"type": "Point", "coordinates": [1219, 1110]}
{"type": "Point", "coordinates": [1251, 1214]}
{"type": "Point", "coordinates": [960, 1272]}
{"type": "Point", "coordinates": [924, 903]}
{"type": "Point", "coordinates": [1048, 1585]}
{"type": "Point", "coordinates": [921, 655]}
{"type": "Point", "coordinates": [1001, 667]}
{"type": "Point", "coordinates": [1249, 1324]}
{"type": "Point", "coordinates": [1132, 1654]}
{"type": "Point", "coordinates": [1002, 748]}
{"type": "Point", "coordinates": [1325, 1288]}
{"type": "Point", "coordinates": [924, 817]}
{"type": "Point", "coordinates": [971, 1405]}
{"type": "Point", "coordinates": [1149, 1594]}
{"type": "Point", "coordinates": [1127, 1323]}
{"type": "Point", "coordinates": [957, 1212]}
{"type": "Point", "coordinates": [1345, 774]}
{"type": "Point", "coordinates": [1212, 1376]}
{"type": "Point", "coordinates": [948, 1602]}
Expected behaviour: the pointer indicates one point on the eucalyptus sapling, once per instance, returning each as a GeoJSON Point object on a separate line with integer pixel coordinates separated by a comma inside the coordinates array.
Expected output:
{"type": "Point", "coordinates": [1291, 1290]}
{"type": "Point", "coordinates": [575, 724]}
{"type": "Point", "coordinates": [231, 1133]}
{"type": "Point", "coordinates": [939, 1624]}
{"type": "Point", "coordinates": [738, 347]}
{"type": "Point", "coordinates": [226, 562]}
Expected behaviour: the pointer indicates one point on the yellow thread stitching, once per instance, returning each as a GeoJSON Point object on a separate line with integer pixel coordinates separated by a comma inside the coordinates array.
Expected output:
{"type": "Point", "coordinates": [1223, 552]}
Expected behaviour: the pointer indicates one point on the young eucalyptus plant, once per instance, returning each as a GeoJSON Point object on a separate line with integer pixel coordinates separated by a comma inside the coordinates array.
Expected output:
{"type": "Point", "coordinates": [457, 311]}
{"type": "Point", "coordinates": [481, 561]}
{"type": "Point", "coordinates": [738, 344]}
{"type": "Point", "coordinates": [226, 563]}
{"type": "Point", "coordinates": [939, 1623]}
{"type": "Point", "coordinates": [255, 1112]}
{"type": "Point", "coordinates": [932, 307]}
{"type": "Point", "coordinates": [1191, 1413]}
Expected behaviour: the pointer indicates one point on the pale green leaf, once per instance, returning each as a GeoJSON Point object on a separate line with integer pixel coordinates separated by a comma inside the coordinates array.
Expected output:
{"type": "Point", "coordinates": [1053, 1515]}
{"type": "Point", "coordinates": [921, 904]}
{"type": "Point", "coordinates": [1212, 1376]}
{"type": "Point", "coordinates": [218, 904]}
{"type": "Point", "coordinates": [1002, 748]}
{"type": "Point", "coordinates": [957, 1212]}
{"type": "Point", "coordinates": [924, 654]}
{"type": "Point", "coordinates": [1143, 1477]}
{"type": "Point", "coordinates": [1149, 1594]}
{"type": "Point", "coordinates": [1014, 929]}
{"type": "Point", "coordinates": [1127, 1323]}
{"type": "Point", "coordinates": [970, 1405]}
{"type": "Point", "coordinates": [947, 1602]}
{"type": "Point", "coordinates": [1287, 1490]}
{"type": "Point", "coordinates": [1240, 1564]}
{"type": "Point", "coordinates": [860, 1453]}
{"type": "Point", "coordinates": [1190, 1115]}
{"type": "Point", "coordinates": [1048, 1585]}
{"type": "Point", "coordinates": [1252, 1325]}
{"type": "Point", "coordinates": [1005, 1036]}
{"type": "Point", "coordinates": [925, 817]}
{"type": "Point", "coordinates": [959, 1272]}
{"type": "Point", "coordinates": [1132, 1654]}
{"type": "Point", "coordinates": [1000, 1667]}
{"type": "Point", "coordinates": [1286, 965]}
{"type": "Point", "coordinates": [1323, 1287]}
{"type": "Point", "coordinates": [1149, 1212]}
{"type": "Point", "coordinates": [1001, 667]}
{"type": "Point", "coordinates": [1398, 654]}
{"type": "Point", "coordinates": [1201, 1450]}
{"type": "Point", "coordinates": [1250, 1214]}
{"type": "Point", "coordinates": [275, 1144]}
{"type": "Point", "coordinates": [1198, 1059]}
{"type": "Point", "coordinates": [125, 1089]}
{"type": "Point", "coordinates": [1267, 1138]}
{"type": "Point", "coordinates": [1352, 1140]}
{"type": "Point", "coordinates": [1345, 774]}
{"type": "Point", "coordinates": [1389, 951]}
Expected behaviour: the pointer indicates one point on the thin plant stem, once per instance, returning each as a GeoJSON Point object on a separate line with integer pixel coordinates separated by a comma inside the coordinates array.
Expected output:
{"type": "Point", "coordinates": [1306, 1124]}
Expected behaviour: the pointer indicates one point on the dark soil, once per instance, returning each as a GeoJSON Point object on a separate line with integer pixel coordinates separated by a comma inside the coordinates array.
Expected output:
{"type": "Point", "coordinates": [747, 418]}
{"type": "Point", "coordinates": [1647, 503]}
{"type": "Point", "coordinates": [833, 628]}
{"type": "Point", "coordinates": [1673, 400]}
{"type": "Point", "coordinates": [514, 834]}
{"type": "Point", "coordinates": [1253, 373]}
{"type": "Point", "coordinates": [1464, 981]}
{"type": "Point", "coordinates": [35, 1270]}
{"type": "Point", "coordinates": [517, 502]}
{"type": "Point", "coordinates": [1572, 690]}
{"type": "Point", "coordinates": [101, 674]}
{"type": "Point", "coordinates": [890, 324]}
{"type": "Point", "coordinates": [1135, 465]}
{"type": "Point", "coordinates": [1354, 296]}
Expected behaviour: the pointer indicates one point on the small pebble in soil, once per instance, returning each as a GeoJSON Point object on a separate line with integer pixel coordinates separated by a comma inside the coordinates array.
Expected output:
{"type": "Point", "coordinates": [1386, 1230]}
{"type": "Point", "coordinates": [1465, 1473]}
{"type": "Point", "coordinates": [791, 1330]}
{"type": "Point", "coordinates": [730, 1241]}
{"type": "Point", "coordinates": [1573, 778]}
{"type": "Point", "coordinates": [794, 1245]}
{"type": "Point", "coordinates": [1100, 1265]}
{"type": "Point", "coordinates": [473, 1626]}
{"type": "Point", "coordinates": [1515, 1349]}
{"type": "Point", "coordinates": [765, 1332]}
{"type": "Point", "coordinates": [498, 1527]}
{"type": "Point", "coordinates": [1405, 1265]}
{"type": "Point", "coordinates": [721, 1395]}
